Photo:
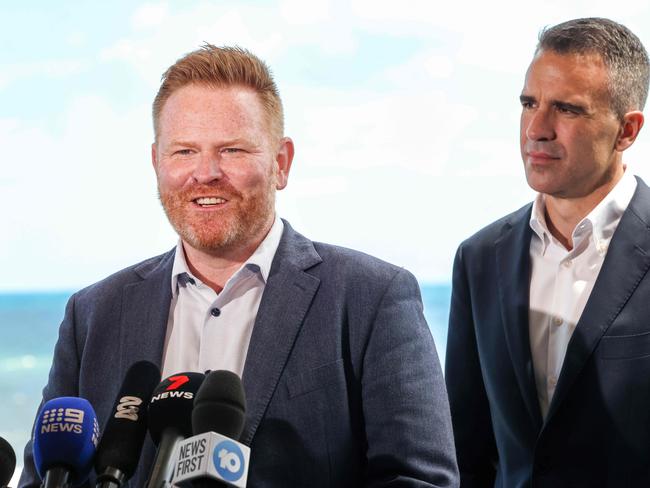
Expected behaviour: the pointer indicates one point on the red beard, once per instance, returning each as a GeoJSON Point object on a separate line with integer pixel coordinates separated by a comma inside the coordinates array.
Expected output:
{"type": "Point", "coordinates": [246, 218]}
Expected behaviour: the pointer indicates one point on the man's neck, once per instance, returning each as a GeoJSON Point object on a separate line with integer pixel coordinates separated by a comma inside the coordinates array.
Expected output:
{"type": "Point", "coordinates": [215, 268]}
{"type": "Point", "coordinates": [563, 214]}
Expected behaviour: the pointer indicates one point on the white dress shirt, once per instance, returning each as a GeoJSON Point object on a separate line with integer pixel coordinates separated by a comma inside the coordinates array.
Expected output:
{"type": "Point", "coordinates": [208, 330]}
{"type": "Point", "coordinates": [561, 281]}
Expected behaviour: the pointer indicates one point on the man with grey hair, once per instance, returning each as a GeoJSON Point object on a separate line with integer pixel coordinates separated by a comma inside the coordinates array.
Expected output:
{"type": "Point", "coordinates": [548, 354]}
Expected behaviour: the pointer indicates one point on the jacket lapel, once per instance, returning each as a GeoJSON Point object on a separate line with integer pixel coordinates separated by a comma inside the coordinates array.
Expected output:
{"type": "Point", "coordinates": [145, 312]}
{"type": "Point", "coordinates": [626, 263]}
{"type": "Point", "coordinates": [287, 297]}
{"type": "Point", "coordinates": [513, 279]}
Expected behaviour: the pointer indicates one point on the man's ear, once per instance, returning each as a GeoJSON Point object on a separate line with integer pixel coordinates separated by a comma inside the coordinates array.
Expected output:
{"type": "Point", "coordinates": [630, 128]}
{"type": "Point", "coordinates": [283, 160]}
{"type": "Point", "coordinates": [154, 157]}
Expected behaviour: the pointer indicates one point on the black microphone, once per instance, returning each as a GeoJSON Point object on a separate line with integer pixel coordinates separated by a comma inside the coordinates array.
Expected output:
{"type": "Point", "coordinates": [119, 449]}
{"type": "Point", "coordinates": [7, 462]}
{"type": "Point", "coordinates": [212, 457]}
{"type": "Point", "coordinates": [220, 405]}
{"type": "Point", "coordinates": [170, 420]}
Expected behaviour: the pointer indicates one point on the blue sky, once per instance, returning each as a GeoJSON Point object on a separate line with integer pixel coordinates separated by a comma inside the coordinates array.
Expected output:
{"type": "Point", "coordinates": [404, 115]}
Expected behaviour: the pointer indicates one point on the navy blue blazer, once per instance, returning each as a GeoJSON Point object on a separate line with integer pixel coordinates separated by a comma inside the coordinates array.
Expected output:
{"type": "Point", "coordinates": [342, 381]}
{"type": "Point", "coordinates": [597, 431]}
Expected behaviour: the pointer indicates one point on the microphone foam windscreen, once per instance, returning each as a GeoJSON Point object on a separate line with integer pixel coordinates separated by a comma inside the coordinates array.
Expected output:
{"type": "Point", "coordinates": [123, 437]}
{"type": "Point", "coordinates": [7, 462]}
{"type": "Point", "coordinates": [171, 404]}
{"type": "Point", "coordinates": [65, 435]}
{"type": "Point", "coordinates": [220, 405]}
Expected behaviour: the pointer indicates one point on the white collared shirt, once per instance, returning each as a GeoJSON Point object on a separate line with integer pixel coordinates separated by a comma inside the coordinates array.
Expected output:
{"type": "Point", "coordinates": [561, 281]}
{"type": "Point", "coordinates": [210, 331]}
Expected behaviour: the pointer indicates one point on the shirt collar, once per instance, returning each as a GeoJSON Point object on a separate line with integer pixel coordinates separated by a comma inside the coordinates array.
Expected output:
{"type": "Point", "coordinates": [601, 221]}
{"type": "Point", "coordinates": [260, 261]}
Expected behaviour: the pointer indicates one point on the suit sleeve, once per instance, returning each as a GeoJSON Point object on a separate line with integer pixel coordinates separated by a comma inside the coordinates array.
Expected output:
{"type": "Point", "coordinates": [63, 381]}
{"type": "Point", "coordinates": [407, 420]}
{"type": "Point", "coordinates": [470, 410]}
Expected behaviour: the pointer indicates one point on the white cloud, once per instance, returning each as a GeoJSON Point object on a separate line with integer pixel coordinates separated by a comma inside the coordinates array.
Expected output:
{"type": "Point", "coordinates": [76, 39]}
{"type": "Point", "coordinates": [423, 68]}
{"type": "Point", "coordinates": [149, 15]}
{"type": "Point", "coordinates": [401, 155]}
{"type": "Point", "coordinates": [150, 52]}
{"type": "Point", "coordinates": [60, 68]}
{"type": "Point", "coordinates": [299, 12]}
{"type": "Point", "coordinates": [76, 198]}
{"type": "Point", "coordinates": [364, 129]}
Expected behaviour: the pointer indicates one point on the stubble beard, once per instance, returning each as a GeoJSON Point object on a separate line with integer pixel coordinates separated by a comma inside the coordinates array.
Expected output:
{"type": "Point", "coordinates": [242, 225]}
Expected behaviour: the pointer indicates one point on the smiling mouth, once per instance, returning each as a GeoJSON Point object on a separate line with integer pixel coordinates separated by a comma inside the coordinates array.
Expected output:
{"type": "Point", "coordinates": [209, 201]}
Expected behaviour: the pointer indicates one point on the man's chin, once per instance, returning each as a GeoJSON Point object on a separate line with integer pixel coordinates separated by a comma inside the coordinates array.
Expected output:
{"type": "Point", "coordinates": [213, 244]}
{"type": "Point", "coordinates": [541, 183]}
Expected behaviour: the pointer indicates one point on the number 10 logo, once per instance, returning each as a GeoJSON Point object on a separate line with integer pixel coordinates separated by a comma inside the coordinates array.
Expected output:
{"type": "Point", "coordinates": [228, 460]}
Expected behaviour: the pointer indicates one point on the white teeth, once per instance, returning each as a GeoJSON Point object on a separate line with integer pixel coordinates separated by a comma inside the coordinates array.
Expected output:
{"type": "Point", "coordinates": [209, 201]}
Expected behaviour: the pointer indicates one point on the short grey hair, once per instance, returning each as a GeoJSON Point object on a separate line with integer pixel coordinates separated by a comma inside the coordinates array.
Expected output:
{"type": "Point", "coordinates": [621, 51]}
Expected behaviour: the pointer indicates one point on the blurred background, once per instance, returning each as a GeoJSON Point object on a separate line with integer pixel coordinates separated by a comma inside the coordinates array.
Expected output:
{"type": "Point", "coordinates": [405, 118]}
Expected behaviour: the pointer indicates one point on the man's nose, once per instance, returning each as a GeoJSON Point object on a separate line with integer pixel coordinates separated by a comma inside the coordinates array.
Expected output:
{"type": "Point", "coordinates": [539, 125]}
{"type": "Point", "coordinates": [208, 169]}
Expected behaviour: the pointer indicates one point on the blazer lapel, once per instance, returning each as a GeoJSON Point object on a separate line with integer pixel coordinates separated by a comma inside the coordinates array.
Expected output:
{"type": "Point", "coordinates": [145, 311]}
{"type": "Point", "coordinates": [626, 263]}
{"type": "Point", "coordinates": [513, 280]}
{"type": "Point", "coordinates": [287, 297]}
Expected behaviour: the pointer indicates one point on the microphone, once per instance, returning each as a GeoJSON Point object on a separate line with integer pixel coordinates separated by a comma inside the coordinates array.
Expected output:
{"type": "Point", "coordinates": [212, 458]}
{"type": "Point", "coordinates": [65, 438]}
{"type": "Point", "coordinates": [170, 420]}
{"type": "Point", "coordinates": [7, 462]}
{"type": "Point", "coordinates": [119, 449]}
{"type": "Point", "coordinates": [220, 405]}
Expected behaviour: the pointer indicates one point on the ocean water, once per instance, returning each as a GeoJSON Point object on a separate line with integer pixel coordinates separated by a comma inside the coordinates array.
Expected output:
{"type": "Point", "coordinates": [29, 325]}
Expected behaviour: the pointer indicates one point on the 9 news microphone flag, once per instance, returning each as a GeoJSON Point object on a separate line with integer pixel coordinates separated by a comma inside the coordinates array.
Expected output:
{"type": "Point", "coordinates": [65, 438]}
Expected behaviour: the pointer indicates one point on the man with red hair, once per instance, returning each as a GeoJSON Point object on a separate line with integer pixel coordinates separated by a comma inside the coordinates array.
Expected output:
{"type": "Point", "coordinates": [342, 381]}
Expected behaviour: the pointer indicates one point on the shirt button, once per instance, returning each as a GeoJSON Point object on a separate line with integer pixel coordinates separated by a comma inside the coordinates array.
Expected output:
{"type": "Point", "coordinates": [557, 321]}
{"type": "Point", "coordinates": [567, 263]}
{"type": "Point", "coordinates": [552, 381]}
{"type": "Point", "coordinates": [215, 312]}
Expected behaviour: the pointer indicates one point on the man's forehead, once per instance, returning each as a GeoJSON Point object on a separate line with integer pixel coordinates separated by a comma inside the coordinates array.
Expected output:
{"type": "Point", "coordinates": [571, 72]}
{"type": "Point", "coordinates": [201, 95]}
{"type": "Point", "coordinates": [201, 104]}
{"type": "Point", "coordinates": [568, 62]}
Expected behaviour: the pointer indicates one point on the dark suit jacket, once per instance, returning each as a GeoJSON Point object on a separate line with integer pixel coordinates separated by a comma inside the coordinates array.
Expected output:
{"type": "Point", "coordinates": [342, 381]}
{"type": "Point", "coordinates": [597, 431]}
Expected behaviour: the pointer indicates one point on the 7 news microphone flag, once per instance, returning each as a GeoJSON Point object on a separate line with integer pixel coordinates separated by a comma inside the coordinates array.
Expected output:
{"type": "Point", "coordinates": [170, 421]}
